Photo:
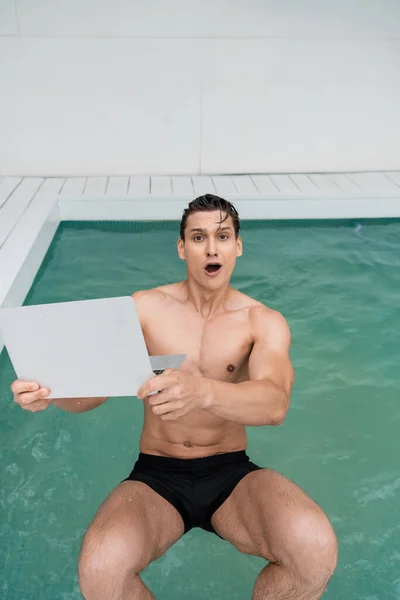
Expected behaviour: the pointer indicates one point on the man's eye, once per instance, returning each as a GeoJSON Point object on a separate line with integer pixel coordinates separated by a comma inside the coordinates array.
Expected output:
{"type": "Point", "coordinates": [223, 236]}
{"type": "Point", "coordinates": [197, 238]}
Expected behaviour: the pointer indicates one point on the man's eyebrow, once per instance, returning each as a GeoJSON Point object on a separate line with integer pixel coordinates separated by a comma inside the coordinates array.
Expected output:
{"type": "Point", "coordinates": [204, 231]}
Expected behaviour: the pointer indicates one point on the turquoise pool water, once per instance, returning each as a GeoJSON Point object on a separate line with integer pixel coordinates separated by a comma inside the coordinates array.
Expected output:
{"type": "Point", "coordinates": [339, 287]}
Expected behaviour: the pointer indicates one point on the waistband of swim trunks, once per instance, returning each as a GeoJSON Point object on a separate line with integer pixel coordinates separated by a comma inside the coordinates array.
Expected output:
{"type": "Point", "coordinates": [215, 460]}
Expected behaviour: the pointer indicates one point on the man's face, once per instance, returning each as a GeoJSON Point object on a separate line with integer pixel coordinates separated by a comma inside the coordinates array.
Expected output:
{"type": "Point", "coordinates": [210, 249]}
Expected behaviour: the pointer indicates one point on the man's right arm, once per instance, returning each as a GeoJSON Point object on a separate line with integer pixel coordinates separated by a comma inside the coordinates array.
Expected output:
{"type": "Point", "coordinates": [30, 396]}
{"type": "Point", "coordinates": [77, 405]}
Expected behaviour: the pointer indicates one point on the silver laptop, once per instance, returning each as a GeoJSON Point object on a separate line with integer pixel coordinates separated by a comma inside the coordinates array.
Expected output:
{"type": "Point", "coordinates": [83, 348]}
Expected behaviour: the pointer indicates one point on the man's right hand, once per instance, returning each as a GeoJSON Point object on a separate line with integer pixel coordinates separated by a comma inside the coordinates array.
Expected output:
{"type": "Point", "coordinates": [30, 396]}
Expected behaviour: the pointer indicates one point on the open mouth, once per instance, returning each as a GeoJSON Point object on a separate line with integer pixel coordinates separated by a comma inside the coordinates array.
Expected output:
{"type": "Point", "coordinates": [213, 268]}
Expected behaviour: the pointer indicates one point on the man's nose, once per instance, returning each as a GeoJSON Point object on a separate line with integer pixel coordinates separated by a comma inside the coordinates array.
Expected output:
{"type": "Point", "coordinates": [212, 248]}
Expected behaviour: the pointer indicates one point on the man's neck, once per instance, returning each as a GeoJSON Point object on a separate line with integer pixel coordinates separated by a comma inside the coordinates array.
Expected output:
{"type": "Point", "coordinates": [205, 302]}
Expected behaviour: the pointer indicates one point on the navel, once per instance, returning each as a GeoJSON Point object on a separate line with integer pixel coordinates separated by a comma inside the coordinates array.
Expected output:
{"type": "Point", "coordinates": [230, 368]}
{"type": "Point", "coordinates": [187, 444]}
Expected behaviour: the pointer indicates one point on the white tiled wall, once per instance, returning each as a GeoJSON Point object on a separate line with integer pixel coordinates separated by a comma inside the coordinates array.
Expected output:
{"type": "Point", "coordinates": [8, 18]}
{"type": "Point", "coordinates": [123, 87]}
{"type": "Point", "coordinates": [301, 105]}
{"type": "Point", "coordinates": [210, 18]}
{"type": "Point", "coordinates": [94, 106]}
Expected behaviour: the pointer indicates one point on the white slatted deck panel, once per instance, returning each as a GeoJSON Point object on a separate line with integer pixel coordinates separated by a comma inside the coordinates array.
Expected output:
{"type": "Point", "coordinates": [95, 186]}
{"type": "Point", "coordinates": [394, 176]}
{"type": "Point", "coordinates": [160, 186]}
{"type": "Point", "coordinates": [182, 186]}
{"type": "Point", "coordinates": [342, 182]}
{"type": "Point", "coordinates": [73, 186]}
{"type": "Point", "coordinates": [203, 184]}
{"type": "Point", "coordinates": [285, 185]}
{"type": "Point", "coordinates": [139, 185]}
{"type": "Point", "coordinates": [324, 183]}
{"type": "Point", "coordinates": [264, 184]}
{"type": "Point", "coordinates": [304, 183]}
{"type": "Point", "coordinates": [224, 185]}
{"type": "Point", "coordinates": [117, 186]}
{"type": "Point", "coordinates": [16, 205]}
{"type": "Point", "coordinates": [373, 182]}
{"type": "Point", "coordinates": [245, 185]}
{"type": "Point", "coordinates": [7, 186]}
{"type": "Point", "coordinates": [18, 263]}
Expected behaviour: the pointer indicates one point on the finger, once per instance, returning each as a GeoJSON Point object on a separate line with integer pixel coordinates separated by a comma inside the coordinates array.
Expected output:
{"type": "Point", "coordinates": [19, 386]}
{"type": "Point", "coordinates": [157, 398]}
{"type": "Point", "coordinates": [169, 371]}
{"type": "Point", "coordinates": [163, 396]}
{"type": "Point", "coordinates": [171, 416]}
{"type": "Point", "coordinates": [167, 407]}
{"type": "Point", "coordinates": [145, 390]}
{"type": "Point", "coordinates": [156, 384]}
{"type": "Point", "coordinates": [38, 405]}
{"type": "Point", "coordinates": [29, 397]}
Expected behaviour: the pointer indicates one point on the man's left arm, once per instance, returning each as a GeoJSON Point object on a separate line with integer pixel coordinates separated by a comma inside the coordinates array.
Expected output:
{"type": "Point", "coordinates": [263, 399]}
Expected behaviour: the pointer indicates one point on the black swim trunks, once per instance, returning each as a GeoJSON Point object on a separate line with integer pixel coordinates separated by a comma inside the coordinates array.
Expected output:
{"type": "Point", "coordinates": [196, 487]}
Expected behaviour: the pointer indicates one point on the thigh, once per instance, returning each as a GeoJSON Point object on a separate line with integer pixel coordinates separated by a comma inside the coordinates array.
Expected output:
{"type": "Point", "coordinates": [269, 516]}
{"type": "Point", "coordinates": [133, 527]}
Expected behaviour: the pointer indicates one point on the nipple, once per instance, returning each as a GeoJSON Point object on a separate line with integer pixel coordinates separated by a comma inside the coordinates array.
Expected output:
{"type": "Point", "coordinates": [230, 368]}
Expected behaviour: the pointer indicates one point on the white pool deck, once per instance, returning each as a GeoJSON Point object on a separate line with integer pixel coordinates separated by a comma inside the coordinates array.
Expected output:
{"type": "Point", "coordinates": [31, 208]}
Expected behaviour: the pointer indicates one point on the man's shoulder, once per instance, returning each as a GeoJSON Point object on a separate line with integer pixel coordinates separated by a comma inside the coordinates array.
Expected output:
{"type": "Point", "coordinates": [257, 310]}
{"type": "Point", "coordinates": [160, 293]}
{"type": "Point", "coordinates": [263, 317]}
{"type": "Point", "coordinates": [242, 301]}
{"type": "Point", "coordinates": [151, 294]}
{"type": "Point", "coordinates": [148, 303]}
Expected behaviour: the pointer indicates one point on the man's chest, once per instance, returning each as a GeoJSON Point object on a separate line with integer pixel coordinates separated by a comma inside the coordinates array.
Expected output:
{"type": "Point", "coordinates": [219, 348]}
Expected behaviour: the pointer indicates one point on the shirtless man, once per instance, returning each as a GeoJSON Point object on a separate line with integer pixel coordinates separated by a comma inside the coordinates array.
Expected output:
{"type": "Point", "coordinates": [193, 469]}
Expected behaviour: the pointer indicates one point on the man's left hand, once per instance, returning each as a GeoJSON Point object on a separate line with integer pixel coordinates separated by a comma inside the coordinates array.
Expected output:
{"type": "Point", "coordinates": [179, 393]}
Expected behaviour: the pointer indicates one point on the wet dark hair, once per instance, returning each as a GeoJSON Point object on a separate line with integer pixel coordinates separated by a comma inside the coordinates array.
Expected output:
{"type": "Point", "coordinates": [209, 202]}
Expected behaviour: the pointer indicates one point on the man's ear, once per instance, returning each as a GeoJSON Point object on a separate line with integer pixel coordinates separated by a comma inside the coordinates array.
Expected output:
{"type": "Point", "coordinates": [181, 249]}
{"type": "Point", "coordinates": [239, 246]}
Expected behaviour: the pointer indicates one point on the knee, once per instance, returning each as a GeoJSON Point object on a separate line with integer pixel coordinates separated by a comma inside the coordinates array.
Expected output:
{"type": "Point", "coordinates": [106, 561]}
{"type": "Point", "coordinates": [317, 550]}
